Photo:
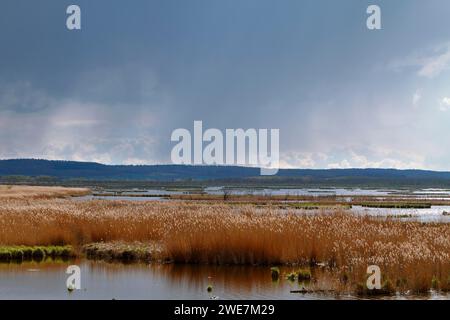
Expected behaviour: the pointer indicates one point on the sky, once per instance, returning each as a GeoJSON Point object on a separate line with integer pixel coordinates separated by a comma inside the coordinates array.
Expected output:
{"type": "Point", "coordinates": [341, 95]}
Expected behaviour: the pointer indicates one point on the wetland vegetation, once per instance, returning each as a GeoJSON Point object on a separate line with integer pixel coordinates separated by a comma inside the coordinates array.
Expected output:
{"type": "Point", "coordinates": [301, 241]}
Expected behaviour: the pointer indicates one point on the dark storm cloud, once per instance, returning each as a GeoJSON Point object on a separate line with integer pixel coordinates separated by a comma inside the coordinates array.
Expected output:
{"type": "Point", "coordinates": [340, 94]}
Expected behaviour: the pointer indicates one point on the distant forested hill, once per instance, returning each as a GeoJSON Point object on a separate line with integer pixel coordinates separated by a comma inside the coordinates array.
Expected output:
{"type": "Point", "coordinates": [91, 170]}
{"type": "Point", "coordinates": [17, 169]}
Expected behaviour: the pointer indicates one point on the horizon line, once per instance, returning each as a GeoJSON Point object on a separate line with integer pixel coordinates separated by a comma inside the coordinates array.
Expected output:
{"type": "Point", "coordinates": [223, 165]}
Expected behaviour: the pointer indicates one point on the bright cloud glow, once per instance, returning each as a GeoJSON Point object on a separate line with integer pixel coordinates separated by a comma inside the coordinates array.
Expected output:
{"type": "Point", "coordinates": [445, 104]}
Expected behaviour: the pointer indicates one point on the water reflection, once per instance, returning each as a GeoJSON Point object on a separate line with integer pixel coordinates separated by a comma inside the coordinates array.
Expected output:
{"type": "Point", "coordinates": [100, 280]}
{"type": "Point", "coordinates": [433, 214]}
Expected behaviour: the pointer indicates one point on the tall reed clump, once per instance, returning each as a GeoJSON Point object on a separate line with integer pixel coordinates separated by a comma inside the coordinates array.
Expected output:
{"type": "Point", "coordinates": [410, 254]}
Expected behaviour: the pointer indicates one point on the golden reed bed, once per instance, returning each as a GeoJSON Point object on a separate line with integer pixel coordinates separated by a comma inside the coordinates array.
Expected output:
{"type": "Point", "coordinates": [410, 254]}
{"type": "Point", "coordinates": [39, 192]}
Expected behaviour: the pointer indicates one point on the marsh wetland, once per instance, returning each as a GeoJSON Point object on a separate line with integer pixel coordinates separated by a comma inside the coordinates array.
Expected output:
{"type": "Point", "coordinates": [221, 243]}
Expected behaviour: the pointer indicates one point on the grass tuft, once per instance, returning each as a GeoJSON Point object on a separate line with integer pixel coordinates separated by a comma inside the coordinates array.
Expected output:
{"type": "Point", "coordinates": [275, 273]}
{"type": "Point", "coordinates": [35, 253]}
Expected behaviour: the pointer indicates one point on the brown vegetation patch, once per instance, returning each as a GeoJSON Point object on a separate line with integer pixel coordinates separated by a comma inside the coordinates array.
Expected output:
{"type": "Point", "coordinates": [39, 192]}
